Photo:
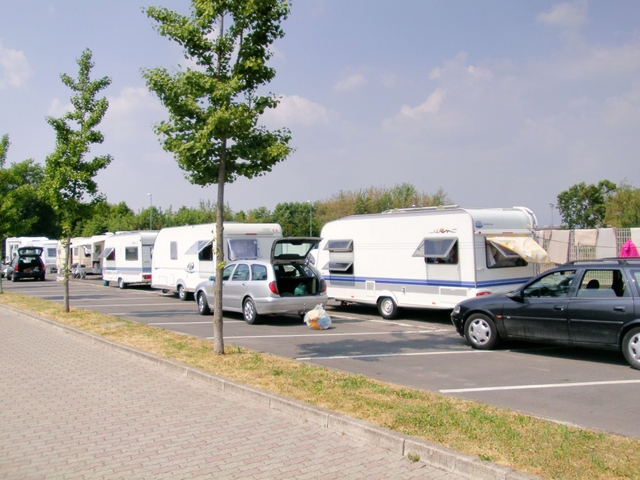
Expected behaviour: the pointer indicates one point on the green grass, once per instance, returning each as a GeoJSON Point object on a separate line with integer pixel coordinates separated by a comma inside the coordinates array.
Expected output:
{"type": "Point", "coordinates": [498, 435]}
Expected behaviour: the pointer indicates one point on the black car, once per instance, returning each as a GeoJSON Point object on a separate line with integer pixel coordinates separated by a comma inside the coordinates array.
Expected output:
{"type": "Point", "coordinates": [26, 264]}
{"type": "Point", "coordinates": [583, 303]}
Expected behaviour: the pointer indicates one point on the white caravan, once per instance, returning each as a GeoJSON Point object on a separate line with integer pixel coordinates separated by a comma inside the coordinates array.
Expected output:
{"type": "Point", "coordinates": [185, 256]}
{"type": "Point", "coordinates": [12, 244]}
{"type": "Point", "coordinates": [85, 252]}
{"type": "Point", "coordinates": [126, 257]}
{"type": "Point", "coordinates": [430, 257]}
{"type": "Point", "coordinates": [49, 255]}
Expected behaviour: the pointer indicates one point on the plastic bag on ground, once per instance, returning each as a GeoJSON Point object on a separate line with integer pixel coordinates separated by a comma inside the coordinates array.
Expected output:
{"type": "Point", "coordinates": [318, 318]}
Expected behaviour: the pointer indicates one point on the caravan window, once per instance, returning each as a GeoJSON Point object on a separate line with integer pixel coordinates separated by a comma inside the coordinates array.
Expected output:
{"type": "Point", "coordinates": [438, 250]}
{"type": "Point", "coordinates": [341, 257]}
{"type": "Point", "coordinates": [131, 254]}
{"type": "Point", "coordinates": [206, 254]}
{"type": "Point", "coordinates": [339, 245]}
{"type": "Point", "coordinates": [501, 257]}
{"type": "Point", "coordinates": [109, 254]}
{"type": "Point", "coordinates": [243, 248]}
{"type": "Point", "coordinates": [51, 252]}
{"type": "Point", "coordinates": [203, 248]}
{"type": "Point", "coordinates": [173, 246]}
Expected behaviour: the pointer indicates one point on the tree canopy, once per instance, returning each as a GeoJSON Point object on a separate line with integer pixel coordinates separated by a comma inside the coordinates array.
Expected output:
{"type": "Point", "coordinates": [584, 206]}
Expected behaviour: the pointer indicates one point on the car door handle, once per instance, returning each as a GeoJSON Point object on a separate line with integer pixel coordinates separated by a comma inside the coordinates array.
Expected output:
{"type": "Point", "coordinates": [558, 307]}
{"type": "Point", "coordinates": [620, 309]}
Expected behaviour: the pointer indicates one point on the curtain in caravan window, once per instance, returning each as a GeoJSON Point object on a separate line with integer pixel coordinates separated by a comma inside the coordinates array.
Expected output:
{"type": "Point", "coordinates": [131, 254]}
{"type": "Point", "coordinates": [173, 246]}
{"type": "Point", "coordinates": [243, 248]}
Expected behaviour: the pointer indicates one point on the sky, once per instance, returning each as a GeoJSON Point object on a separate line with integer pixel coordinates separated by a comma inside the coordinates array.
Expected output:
{"type": "Point", "coordinates": [499, 103]}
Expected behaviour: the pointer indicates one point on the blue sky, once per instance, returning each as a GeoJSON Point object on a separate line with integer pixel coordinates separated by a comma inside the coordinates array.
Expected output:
{"type": "Point", "coordinates": [499, 103]}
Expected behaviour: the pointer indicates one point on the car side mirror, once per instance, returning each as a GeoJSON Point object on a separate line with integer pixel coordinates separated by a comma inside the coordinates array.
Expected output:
{"type": "Point", "coordinates": [212, 278]}
{"type": "Point", "coordinates": [516, 295]}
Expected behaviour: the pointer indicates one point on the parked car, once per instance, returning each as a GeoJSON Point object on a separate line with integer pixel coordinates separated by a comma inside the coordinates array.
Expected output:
{"type": "Point", "coordinates": [583, 303]}
{"type": "Point", "coordinates": [284, 285]}
{"type": "Point", "coordinates": [26, 264]}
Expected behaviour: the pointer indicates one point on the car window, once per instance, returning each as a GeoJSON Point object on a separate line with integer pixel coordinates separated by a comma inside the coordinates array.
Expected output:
{"type": "Point", "coordinates": [226, 273]}
{"type": "Point", "coordinates": [556, 284]}
{"type": "Point", "coordinates": [603, 284]}
{"type": "Point", "coordinates": [258, 272]}
{"type": "Point", "coordinates": [241, 273]}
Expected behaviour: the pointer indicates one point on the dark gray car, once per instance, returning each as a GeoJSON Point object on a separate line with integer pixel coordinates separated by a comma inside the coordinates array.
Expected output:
{"type": "Point", "coordinates": [285, 285]}
{"type": "Point", "coordinates": [26, 264]}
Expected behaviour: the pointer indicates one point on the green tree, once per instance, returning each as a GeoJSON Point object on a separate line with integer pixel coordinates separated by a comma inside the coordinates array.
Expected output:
{"type": "Point", "coordinates": [69, 183]}
{"type": "Point", "coordinates": [623, 207]}
{"type": "Point", "coordinates": [22, 210]}
{"type": "Point", "coordinates": [584, 206]}
{"type": "Point", "coordinates": [214, 107]}
{"type": "Point", "coordinates": [294, 218]}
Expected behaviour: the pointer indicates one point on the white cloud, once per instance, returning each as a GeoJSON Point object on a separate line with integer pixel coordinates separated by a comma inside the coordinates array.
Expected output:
{"type": "Point", "coordinates": [350, 82]}
{"type": "Point", "coordinates": [57, 109]}
{"type": "Point", "coordinates": [132, 112]}
{"type": "Point", "coordinates": [14, 68]}
{"type": "Point", "coordinates": [294, 109]}
{"type": "Point", "coordinates": [430, 106]}
{"type": "Point", "coordinates": [570, 15]}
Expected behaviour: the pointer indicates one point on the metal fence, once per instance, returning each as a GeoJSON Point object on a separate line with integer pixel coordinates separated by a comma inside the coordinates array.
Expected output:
{"type": "Point", "coordinates": [580, 252]}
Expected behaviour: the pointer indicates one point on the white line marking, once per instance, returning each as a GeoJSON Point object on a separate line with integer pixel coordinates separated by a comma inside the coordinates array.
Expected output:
{"type": "Point", "coordinates": [326, 335]}
{"type": "Point", "coordinates": [184, 323]}
{"type": "Point", "coordinates": [415, 354]}
{"type": "Point", "coordinates": [532, 387]}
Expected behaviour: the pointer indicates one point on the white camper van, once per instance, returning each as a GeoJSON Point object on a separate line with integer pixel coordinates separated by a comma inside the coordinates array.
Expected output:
{"type": "Point", "coordinates": [12, 244]}
{"type": "Point", "coordinates": [185, 256]}
{"type": "Point", "coordinates": [126, 257]}
{"type": "Point", "coordinates": [430, 257]}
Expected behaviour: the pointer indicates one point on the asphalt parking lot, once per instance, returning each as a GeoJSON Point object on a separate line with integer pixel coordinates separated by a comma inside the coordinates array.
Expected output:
{"type": "Point", "coordinates": [590, 388]}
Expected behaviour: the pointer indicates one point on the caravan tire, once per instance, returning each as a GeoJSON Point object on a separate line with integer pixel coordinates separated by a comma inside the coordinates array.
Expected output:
{"type": "Point", "coordinates": [249, 312]}
{"type": "Point", "coordinates": [182, 293]}
{"type": "Point", "coordinates": [481, 332]}
{"type": "Point", "coordinates": [387, 308]}
{"type": "Point", "coordinates": [121, 284]}
{"type": "Point", "coordinates": [203, 305]}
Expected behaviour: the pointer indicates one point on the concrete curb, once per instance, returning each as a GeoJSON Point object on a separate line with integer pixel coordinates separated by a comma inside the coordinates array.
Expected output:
{"type": "Point", "coordinates": [429, 453]}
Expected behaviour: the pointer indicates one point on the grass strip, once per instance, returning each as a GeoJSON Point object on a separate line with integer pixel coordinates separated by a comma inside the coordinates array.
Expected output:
{"type": "Point", "coordinates": [498, 435]}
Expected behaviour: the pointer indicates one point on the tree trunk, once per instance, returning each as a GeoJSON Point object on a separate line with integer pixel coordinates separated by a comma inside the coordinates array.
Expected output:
{"type": "Point", "coordinates": [66, 273]}
{"type": "Point", "coordinates": [218, 339]}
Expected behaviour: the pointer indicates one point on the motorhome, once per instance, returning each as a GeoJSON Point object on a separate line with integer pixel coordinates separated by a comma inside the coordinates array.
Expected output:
{"type": "Point", "coordinates": [185, 256]}
{"type": "Point", "coordinates": [126, 257]}
{"type": "Point", "coordinates": [429, 257]}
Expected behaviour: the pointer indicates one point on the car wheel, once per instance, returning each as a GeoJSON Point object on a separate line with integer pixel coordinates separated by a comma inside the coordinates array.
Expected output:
{"type": "Point", "coordinates": [249, 311]}
{"type": "Point", "coordinates": [387, 308]}
{"type": "Point", "coordinates": [631, 347]}
{"type": "Point", "coordinates": [481, 332]}
{"type": "Point", "coordinates": [121, 284]}
{"type": "Point", "coordinates": [14, 278]}
{"type": "Point", "coordinates": [182, 293]}
{"type": "Point", "coordinates": [203, 305]}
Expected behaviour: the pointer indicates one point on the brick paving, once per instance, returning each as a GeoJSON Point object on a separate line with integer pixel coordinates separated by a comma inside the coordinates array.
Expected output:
{"type": "Point", "coordinates": [73, 409]}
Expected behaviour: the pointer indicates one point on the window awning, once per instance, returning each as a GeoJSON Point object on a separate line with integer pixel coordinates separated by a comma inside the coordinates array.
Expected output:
{"type": "Point", "coordinates": [197, 247]}
{"type": "Point", "coordinates": [525, 247]}
{"type": "Point", "coordinates": [337, 266]}
{"type": "Point", "coordinates": [106, 252]}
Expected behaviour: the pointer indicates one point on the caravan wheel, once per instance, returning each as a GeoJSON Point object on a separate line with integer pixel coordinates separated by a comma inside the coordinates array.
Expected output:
{"type": "Point", "coordinates": [182, 293]}
{"type": "Point", "coordinates": [121, 284]}
{"type": "Point", "coordinates": [387, 308]}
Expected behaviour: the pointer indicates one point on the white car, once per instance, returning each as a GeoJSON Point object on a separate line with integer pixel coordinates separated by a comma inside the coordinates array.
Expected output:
{"type": "Point", "coordinates": [285, 285]}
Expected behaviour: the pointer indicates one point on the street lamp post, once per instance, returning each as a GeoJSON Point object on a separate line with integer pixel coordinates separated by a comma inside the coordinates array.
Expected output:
{"type": "Point", "coordinates": [551, 205]}
{"type": "Point", "coordinates": [310, 223]}
{"type": "Point", "coordinates": [150, 209]}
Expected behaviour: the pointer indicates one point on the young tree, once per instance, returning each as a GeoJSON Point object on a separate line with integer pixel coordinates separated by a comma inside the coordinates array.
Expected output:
{"type": "Point", "coordinates": [214, 106]}
{"type": "Point", "coordinates": [69, 180]}
{"type": "Point", "coordinates": [623, 207]}
{"type": "Point", "coordinates": [583, 206]}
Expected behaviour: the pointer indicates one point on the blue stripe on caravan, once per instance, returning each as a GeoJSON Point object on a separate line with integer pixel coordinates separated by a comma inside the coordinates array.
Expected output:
{"type": "Point", "coordinates": [127, 269]}
{"type": "Point", "coordinates": [429, 283]}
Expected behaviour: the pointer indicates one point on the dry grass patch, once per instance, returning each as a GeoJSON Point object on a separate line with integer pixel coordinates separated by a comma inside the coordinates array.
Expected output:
{"type": "Point", "coordinates": [498, 435]}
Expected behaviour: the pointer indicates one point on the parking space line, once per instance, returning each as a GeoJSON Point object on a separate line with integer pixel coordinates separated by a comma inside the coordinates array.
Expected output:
{"type": "Point", "coordinates": [380, 355]}
{"type": "Point", "coordinates": [533, 387]}
{"type": "Point", "coordinates": [184, 323]}
{"type": "Point", "coordinates": [326, 335]}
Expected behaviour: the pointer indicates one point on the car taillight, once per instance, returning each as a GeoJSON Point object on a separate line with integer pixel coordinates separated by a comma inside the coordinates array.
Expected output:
{"type": "Point", "coordinates": [274, 288]}
{"type": "Point", "coordinates": [481, 294]}
{"type": "Point", "coordinates": [16, 269]}
{"type": "Point", "coordinates": [324, 286]}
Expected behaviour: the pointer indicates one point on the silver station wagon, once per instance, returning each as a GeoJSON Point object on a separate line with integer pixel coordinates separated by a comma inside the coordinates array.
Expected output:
{"type": "Point", "coordinates": [286, 285]}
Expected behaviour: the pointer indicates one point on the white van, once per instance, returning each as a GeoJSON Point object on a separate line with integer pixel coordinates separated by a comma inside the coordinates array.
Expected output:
{"type": "Point", "coordinates": [126, 257]}
{"type": "Point", "coordinates": [185, 256]}
{"type": "Point", "coordinates": [428, 257]}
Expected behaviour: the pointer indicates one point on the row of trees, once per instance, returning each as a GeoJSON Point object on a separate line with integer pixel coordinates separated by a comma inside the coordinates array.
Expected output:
{"type": "Point", "coordinates": [599, 205]}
